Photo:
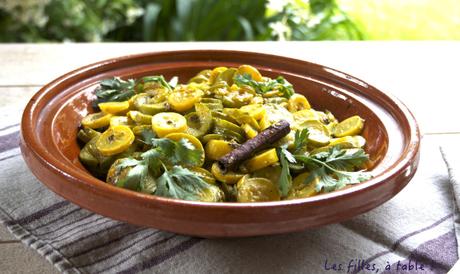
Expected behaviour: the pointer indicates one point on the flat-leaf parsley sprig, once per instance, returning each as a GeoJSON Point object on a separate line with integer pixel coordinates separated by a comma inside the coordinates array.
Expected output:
{"type": "Point", "coordinates": [331, 168]}
{"type": "Point", "coordinates": [114, 89]}
{"type": "Point", "coordinates": [159, 172]}
{"type": "Point", "coordinates": [332, 165]}
{"type": "Point", "coordinates": [287, 160]}
{"type": "Point", "coordinates": [279, 83]}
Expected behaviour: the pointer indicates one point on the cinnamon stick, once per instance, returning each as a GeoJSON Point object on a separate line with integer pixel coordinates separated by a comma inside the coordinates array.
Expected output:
{"type": "Point", "coordinates": [265, 138]}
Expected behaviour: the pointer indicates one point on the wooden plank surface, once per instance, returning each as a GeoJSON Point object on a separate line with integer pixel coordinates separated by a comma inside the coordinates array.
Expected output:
{"type": "Point", "coordinates": [422, 74]}
{"type": "Point", "coordinates": [376, 62]}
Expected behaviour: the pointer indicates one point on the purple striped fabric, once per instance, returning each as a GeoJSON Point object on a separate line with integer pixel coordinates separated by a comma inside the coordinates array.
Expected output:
{"type": "Point", "coordinates": [104, 244]}
{"type": "Point", "coordinates": [162, 257]}
{"type": "Point", "coordinates": [68, 230]}
{"type": "Point", "coordinates": [80, 229]}
{"type": "Point", "coordinates": [66, 247]}
{"type": "Point", "coordinates": [132, 243]}
{"type": "Point", "coordinates": [38, 214]}
{"type": "Point", "coordinates": [70, 224]}
{"type": "Point", "coordinates": [434, 256]}
{"type": "Point", "coordinates": [9, 141]}
{"type": "Point", "coordinates": [94, 234]}
{"type": "Point", "coordinates": [400, 240]}
{"type": "Point", "coordinates": [154, 244]}
{"type": "Point", "coordinates": [60, 218]}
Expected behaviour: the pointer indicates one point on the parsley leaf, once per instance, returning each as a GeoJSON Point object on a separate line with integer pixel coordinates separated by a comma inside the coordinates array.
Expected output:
{"type": "Point", "coordinates": [284, 86]}
{"type": "Point", "coordinates": [168, 152]}
{"type": "Point", "coordinates": [176, 182]}
{"type": "Point", "coordinates": [114, 89]}
{"type": "Point", "coordinates": [181, 183]}
{"type": "Point", "coordinates": [285, 180]}
{"type": "Point", "coordinates": [137, 177]}
{"type": "Point", "coordinates": [326, 181]}
{"type": "Point", "coordinates": [154, 82]}
{"type": "Point", "coordinates": [177, 152]}
{"type": "Point", "coordinates": [336, 180]}
{"type": "Point", "coordinates": [153, 158]}
{"type": "Point", "coordinates": [134, 176]}
{"type": "Point", "coordinates": [343, 159]}
{"type": "Point", "coordinates": [301, 139]}
{"type": "Point", "coordinates": [246, 79]}
{"type": "Point", "coordinates": [330, 167]}
{"type": "Point", "coordinates": [278, 83]}
{"type": "Point", "coordinates": [146, 136]}
{"type": "Point", "coordinates": [288, 155]}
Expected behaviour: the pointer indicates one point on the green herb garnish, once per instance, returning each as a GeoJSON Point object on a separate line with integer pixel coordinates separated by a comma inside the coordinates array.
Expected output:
{"type": "Point", "coordinates": [279, 83]}
{"type": "Point", "coordinates": [114, 90]}
{"type": "Point", "coordinates": [177, 152]}
{"type": "Point", "coordinates": [172, 180]}
{"type": "Point", "coordinates": [331, 166]}
{"type": "Point", "coordinates": [300, 140]}
{"type": "Point", "coordinates": [181, 183]}
{"type": "Point", "coordinates": [137, 175]}
{"type": "Point", "coordinates": [157, 81]}
{"type": "Point", "coordinates": [285, 180]}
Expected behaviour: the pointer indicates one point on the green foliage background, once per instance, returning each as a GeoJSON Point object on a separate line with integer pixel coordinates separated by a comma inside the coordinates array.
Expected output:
{"type": "Point", "coordinates": [173, 20]}
{"type": "Point", "coordinates": [227, 20]}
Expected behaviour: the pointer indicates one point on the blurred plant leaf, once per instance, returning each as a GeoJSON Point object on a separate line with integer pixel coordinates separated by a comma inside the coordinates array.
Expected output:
{"type": "Point", "coordinates": [174, 20]}
{"type": "Point", "coordinates": [150, 18]}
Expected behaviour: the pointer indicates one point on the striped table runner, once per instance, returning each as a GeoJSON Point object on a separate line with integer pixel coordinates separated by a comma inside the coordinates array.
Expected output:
{"type": "Point", "coordinates": [417, 228]}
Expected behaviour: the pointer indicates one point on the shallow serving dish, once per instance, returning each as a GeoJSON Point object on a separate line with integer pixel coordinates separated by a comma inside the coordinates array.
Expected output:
{"type": "Point", "coordinates": [49, 145]}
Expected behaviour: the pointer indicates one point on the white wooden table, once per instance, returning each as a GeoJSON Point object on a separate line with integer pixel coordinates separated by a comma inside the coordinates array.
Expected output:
{"type": "Point", "coordinates": [424, 75]}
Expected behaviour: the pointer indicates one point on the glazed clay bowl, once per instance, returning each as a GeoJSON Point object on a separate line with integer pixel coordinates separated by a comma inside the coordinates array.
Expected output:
{"type": "Point", "coordinates": [49, 145]}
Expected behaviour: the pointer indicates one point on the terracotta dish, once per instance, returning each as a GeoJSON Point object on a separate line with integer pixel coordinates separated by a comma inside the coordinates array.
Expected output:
{"type": "Point", "coordinates": [52, 117]}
